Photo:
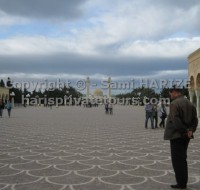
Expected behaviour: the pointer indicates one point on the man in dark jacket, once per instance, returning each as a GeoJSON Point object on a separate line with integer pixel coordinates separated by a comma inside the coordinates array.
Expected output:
{"type": "Point", "coordinates": [1, 107]}
{"type": "Point", "coordinates": [181, 124]}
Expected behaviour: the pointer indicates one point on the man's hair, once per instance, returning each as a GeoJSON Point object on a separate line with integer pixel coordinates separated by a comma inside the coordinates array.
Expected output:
{"type": "Point", "coordinates": [176, 89]}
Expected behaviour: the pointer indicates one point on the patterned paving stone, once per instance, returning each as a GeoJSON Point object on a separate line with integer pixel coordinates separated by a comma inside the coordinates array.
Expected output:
{"type": "Point", "coordinates": [48, 172]}
{"type": "Point", "coordinates": [113, 151]}
{"type": "Point", "coordinates": [21, 177]}
{"type": "Point", "coordinates": [24, 153]}
{"type": "Point", "coordinates": [138, 162]}
{"type": "Point", "coordinates": [75, 148]}
{"type": "Point", "coordinates": [54, 161]}
{"type": "Point", "coordinates": [96, 161]}
{"type": "Point", "coordinates": [38, 157]}
{"type": "Point", "coordinates": [6, 156]}
{"type": "Point", "coordinates": [144, 172]}
{"type": "Point", "coordinates": [132, 154]}
{"type": "Point", "coordinates": [97, 172]}
{"type": "Point", "coordinates": [59, 154]}
{"type": "Point", "coordinates": [153, 157]}
{"type": "Point", "coordinates": [31, 165]}
{"type": "Point", "coordinates": [150, 185]}
{"type": "Point", "coordinates": [117, 166]}
{"type": "Point", "coordinates": [78, 157]}
{"type": "Point", "coordinates": [6, 187]}
{"type": "Point", "coordinates": [97, 184]}
{"type": "Point", "coordinates": [159, 166]}
{"type": "Point", "coordinates": [16, 160]}
{"type": "Point", "coordinates": [70, 179]}
{"type": "Point", "coordinates": [41, 184]}
{"type": "Point", "coordinates": [115, 157]}
{"type": "Point", "coordinates": [121, 178]}
{"type": "Point", "coordinates": [80, 151]}
{"type": "Point", "coordinates": [95, 154]}
{"type": "Point", "coordinates": [6, 170]}
{"type": "Point", "coordinates": [74, 166]}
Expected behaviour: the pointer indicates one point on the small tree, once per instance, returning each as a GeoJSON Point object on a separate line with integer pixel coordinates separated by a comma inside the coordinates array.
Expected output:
{"type": "Point", "coordinates": [2, 84]}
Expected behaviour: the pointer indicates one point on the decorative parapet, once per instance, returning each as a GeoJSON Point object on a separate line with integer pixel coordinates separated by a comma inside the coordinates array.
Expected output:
{"type": "Point", "coordinates": [194, 56]}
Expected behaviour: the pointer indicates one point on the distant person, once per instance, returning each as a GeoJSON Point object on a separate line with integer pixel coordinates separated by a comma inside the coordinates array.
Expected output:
{"type": "Point", "coordinates": [1, 107]}
{"type": "Point", "coordinates": [181, 124]}
{"type": "Point", "coordinates": [149, 114]}
{"type": "Point", "coordinates": [106, 108]}
{"type": "Point", "coordinates": [155, 115]}
{"type": "Point", "coordinates": [162, 114]}
{"type": "Point", "coordinates": [8, 107]}
{"type": "Point", "coordinates": [110, 108]}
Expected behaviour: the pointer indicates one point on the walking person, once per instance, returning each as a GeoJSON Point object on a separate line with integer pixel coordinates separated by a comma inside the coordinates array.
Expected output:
{"type": "Point", "coordinates": [149, 114]}
{"type": "Point", "coordinates": [181, 124]}
{"type": "Point", "coordinates": [8, 107]}
{"type": "Point", "coordinates": [106, 108]}
{"type": "Point", "coordinates": [110, 108]}
{"type": "Point", "coordinates": [155, 115]}
{"type": "Point", "coordinates": [162, 114]}
{"type": "Point", "coordinates": [1, 107]}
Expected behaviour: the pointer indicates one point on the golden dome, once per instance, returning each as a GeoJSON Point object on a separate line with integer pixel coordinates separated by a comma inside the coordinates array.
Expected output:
{"type": "Point", "coordinates": [98, 92]}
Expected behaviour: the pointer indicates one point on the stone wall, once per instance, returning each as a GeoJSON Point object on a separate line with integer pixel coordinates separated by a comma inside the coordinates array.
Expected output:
{"type": "Point", "coordinates": [194, 77]}
{"type": "Point", "coordinates": [194, 69]}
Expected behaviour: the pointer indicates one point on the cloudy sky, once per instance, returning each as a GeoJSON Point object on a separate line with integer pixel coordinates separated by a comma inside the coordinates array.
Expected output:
{"type": "Point", "coordinates": [72, 39]}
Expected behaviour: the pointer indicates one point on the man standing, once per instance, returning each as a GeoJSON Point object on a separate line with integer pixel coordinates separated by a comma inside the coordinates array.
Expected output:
{"type": "Point", "coordinates": [149, 114]}
{"type": "Point", "coordinates": [181, 124]}
{"type": "Point", "coordinates": [162, 114]}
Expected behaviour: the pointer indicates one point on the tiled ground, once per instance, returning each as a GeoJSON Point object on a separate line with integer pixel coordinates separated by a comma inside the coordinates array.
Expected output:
{"type": "Point", "coordinates": [73, 148]}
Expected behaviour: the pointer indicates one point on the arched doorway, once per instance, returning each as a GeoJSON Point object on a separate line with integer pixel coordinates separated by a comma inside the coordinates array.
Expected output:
{"type": "Point", "coordinates": [192, 83]}
{"type": "Point", "coordinates": [198, 81]}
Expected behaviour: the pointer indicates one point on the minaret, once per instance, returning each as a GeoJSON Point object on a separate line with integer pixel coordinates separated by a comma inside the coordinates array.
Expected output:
{"type": "Point", "coordinates": [109, 89]}
{"type": "Point", "coordinates": [87, 87]}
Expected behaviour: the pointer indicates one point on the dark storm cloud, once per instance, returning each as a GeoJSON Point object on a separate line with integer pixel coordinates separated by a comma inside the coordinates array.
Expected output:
{"type": "Point", "coordinates": [121, 66]}
{"type": "Point", "coordinates": [65, 9]}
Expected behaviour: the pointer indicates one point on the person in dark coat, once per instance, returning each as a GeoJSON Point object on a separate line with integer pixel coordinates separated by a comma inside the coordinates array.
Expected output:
{"type": "Point", "coordinates": [162, 114]}
{"type": "Point", "coordinates": [181, 124]}
{"type": "Point", "coordinates": [106, 108]}
{"type": "Point", "coordinates": [1, 107]}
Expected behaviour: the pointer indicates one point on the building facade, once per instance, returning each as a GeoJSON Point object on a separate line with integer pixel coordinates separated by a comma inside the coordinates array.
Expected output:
{"type": "Point", "coordinates": [194, 77]}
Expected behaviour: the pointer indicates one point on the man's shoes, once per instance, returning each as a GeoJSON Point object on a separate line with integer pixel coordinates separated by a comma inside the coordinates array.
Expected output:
{"type": "Point", "coordinates": [178, 187]}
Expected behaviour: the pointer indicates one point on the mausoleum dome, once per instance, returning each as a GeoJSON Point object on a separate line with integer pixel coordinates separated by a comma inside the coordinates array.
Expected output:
{"type": "Point", "coordinates": [98, 92]}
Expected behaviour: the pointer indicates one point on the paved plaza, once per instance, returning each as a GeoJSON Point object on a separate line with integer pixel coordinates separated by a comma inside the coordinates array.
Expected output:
{"type": "Point", "coordinates": [76, 148]}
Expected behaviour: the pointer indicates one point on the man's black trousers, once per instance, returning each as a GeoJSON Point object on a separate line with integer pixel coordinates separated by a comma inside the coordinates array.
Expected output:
{"type": "Point", "coordinates": [179, 160]}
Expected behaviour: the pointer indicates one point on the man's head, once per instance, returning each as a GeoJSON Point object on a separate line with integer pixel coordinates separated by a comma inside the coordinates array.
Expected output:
{"type": "Point", "coordinates": [175, 92]}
